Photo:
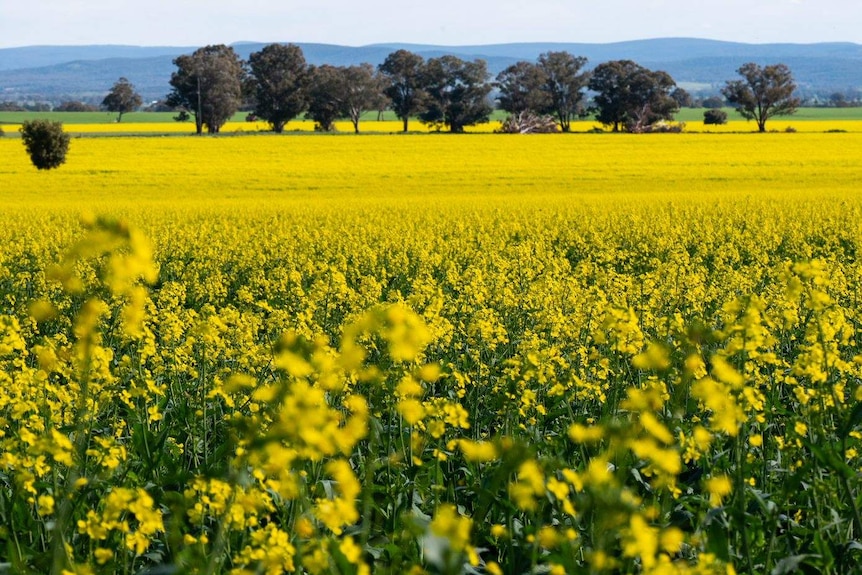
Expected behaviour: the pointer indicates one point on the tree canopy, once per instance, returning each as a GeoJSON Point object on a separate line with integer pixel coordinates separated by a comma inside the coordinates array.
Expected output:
{"type": "Point", "coordinates": [630, 97]}
{"type": "Point", "coordinates": [763, 92]}
{"type": "Point", "coordinates": [402, 71]}
{"type": "Point", "coordinates": [46, 143]}
{"type": "Point", "coordinates": [325, 95]}
{"type": "Point", "coordinates": [208, 83]}
{"type": "Point", "coordinates": [564, 85]}
{"type": "Point", "coordinates": [456, 93]}
{"type": "Point", "coordinates": [521, 89]}
{"type": "Point", "coordinates": [122, 98]}
{"type": "Point", "coordinates": [362, 91]}
{"type": "Point", "coordinates": [280, 80]}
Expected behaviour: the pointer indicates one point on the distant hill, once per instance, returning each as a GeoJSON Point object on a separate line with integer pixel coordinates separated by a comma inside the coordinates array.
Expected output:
{"type": "Point", "coordinates": [56, 73]}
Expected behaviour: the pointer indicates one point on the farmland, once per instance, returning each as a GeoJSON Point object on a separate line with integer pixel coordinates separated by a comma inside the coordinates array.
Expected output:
{"type": "Point", "coordinates": [433, 353]}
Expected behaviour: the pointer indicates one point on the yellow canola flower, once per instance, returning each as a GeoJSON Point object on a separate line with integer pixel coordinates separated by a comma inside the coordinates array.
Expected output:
{"type": "Point", "coordinates": [478, 451]}
{"type": "Point", "coordinates": [718, 488]}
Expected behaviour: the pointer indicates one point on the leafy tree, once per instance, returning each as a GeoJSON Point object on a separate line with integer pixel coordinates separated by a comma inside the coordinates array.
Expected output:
{"type": "Point", "coordinates": [362, 91]}
{"type": "Point", "coordinates": [325, 96]}
{"type": "Point", "coordinates": [564, 86]}
{"type": "Point", "coordinates": [122, 98]}
{"type": "Point", "coordinates": [208, 84]}
{"type": "Point", "coordinates": [713, 102]}
{"type": "Point", "coordinates": [75, 106]}
{"type": "Point", "coordinates": [631, 97]}
{"type": "Point", "coordinates": [715, 116]}
{"type": "Point", "coordinates": [46, 143]}
{"type": "Point", "coordinates": [457, 93]}
{"type": "Point", "coordinates": [682, 97]}
{"type": "Point", "coordinates": [521, 87]}
{"type": "Point", "coordinates": [402, 71]}
{"type": "Point", "coordinates": [11, 107]}
{"type": "Point", "coordinates": [280, 79]}
{"type": "Point", "coordinates": [762, 93]}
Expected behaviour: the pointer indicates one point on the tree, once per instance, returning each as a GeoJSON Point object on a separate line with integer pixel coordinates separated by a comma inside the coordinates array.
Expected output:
{"type": "Point", "coordinates": [762, 93]}
{"type": "Point", "coordinates": [457, 93]}
{"type": "Point", "coordinates": [208, 84]}
{"type": "Point", "coordinates": [46, 143]}
{"type": "Point", "coordinates": [682, 97]}
{"type": "Point", "coordinates": [713, 102]}
{"type": "Point", "coordinates": [280, 79]}
{"type": "Point", "coordinates": [402, 71]}
{"type": "Point", "coordinates": [521, 88]}
{"type": "Point", "coordinates": [564, 85]}
{"type": "Point", "coordinates": [362, 91]}
{"type": "Point", "coordinates": [122, 98]}
{"type": "Point", "coordinates": [75, 106]}
{"type": "Point", "coordinates": [325, 96]}
{"type": "Point", "coordinates": [631, 97]}
{"type": "Point", "coordinates": [715, 116]}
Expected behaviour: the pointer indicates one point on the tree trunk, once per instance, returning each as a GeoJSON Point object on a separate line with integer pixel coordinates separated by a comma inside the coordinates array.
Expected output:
{"type": "Point", "coordinates": [405, 123]}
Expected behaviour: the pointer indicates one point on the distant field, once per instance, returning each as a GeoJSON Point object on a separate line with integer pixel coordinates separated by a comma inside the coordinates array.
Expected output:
{"type": "Point", "coordinates": [688, 115]}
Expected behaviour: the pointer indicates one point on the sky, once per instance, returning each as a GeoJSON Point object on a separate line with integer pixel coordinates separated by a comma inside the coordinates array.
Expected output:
{"type": "Point", "coordinates": [442, 22]}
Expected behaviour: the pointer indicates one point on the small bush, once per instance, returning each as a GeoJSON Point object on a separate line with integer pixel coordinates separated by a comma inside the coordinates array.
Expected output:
{"type": "Point", "coordinates": [715, 116]}
{"type": "Point", "coordinates": [46, 143]}
{"type": "Point", "coordinates": [790, 130]}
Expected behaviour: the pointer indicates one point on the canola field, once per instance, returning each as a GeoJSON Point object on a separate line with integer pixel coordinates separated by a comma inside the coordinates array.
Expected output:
{"type": "Point", "coordinates": [432, 354]}
{"type": "Point", "coordinates": [819, 122]}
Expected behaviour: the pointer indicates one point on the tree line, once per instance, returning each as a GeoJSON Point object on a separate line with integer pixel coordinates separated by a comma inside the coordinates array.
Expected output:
{"type": "Point", "coordinates": [446, 92]}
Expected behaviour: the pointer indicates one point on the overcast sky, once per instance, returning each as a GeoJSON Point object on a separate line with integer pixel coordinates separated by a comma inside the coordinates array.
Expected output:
{"type": "Point", "coordinates": [447, 22]}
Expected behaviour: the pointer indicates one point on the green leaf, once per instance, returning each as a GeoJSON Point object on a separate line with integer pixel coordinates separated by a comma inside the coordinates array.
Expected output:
{"type": "Point", "coordinates": [790, 564]}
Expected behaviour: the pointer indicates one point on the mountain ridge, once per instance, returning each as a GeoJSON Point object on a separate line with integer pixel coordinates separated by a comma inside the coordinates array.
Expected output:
{"type": "Point", "coordinates": [54, 73]}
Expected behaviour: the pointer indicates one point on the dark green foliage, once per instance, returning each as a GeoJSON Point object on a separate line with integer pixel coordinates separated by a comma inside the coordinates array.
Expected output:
{"type": "Point", "coordinates": [208, 85]}
{"type": "Point", "coordinates": [564, 86]}
{"type": "Point", "coordinates": [457, 93]}
{"type": "Point", "coordinates": [402, 73]}
{"type": "Point", "coordinates": [520, 88]}
{"type": "Point", "coordinates": [325, 106]}
{"type": "Point", "coordinates": [280, 80]}
{"type": "Point", "coordinates": [74, 106]}
{"type": "Point", "coordinates": [762, 93]}
{"type": "Point", "coordinates": [362, 91]}
{"type": "Point", "coordinates": [630, 97]}
{"type": "Point", "coordinates": [554, 86]}
{"type": "Point", "coordinates": [715, 116]}
{"type": "Point", "coordinates": [122, 98]}
{"type": "Point", "coordinates": [46, 143]}
{"type": "Point", "coordinates": [713, 102]}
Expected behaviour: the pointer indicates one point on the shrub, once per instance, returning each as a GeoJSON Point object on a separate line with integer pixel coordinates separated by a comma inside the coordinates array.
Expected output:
{"type": "Point", "coordinates": [46, 143]}
{"type": "Point", "coordinates": [715, 116]}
